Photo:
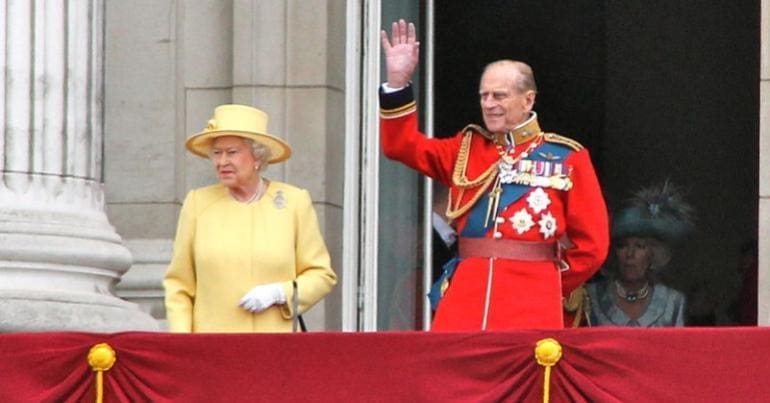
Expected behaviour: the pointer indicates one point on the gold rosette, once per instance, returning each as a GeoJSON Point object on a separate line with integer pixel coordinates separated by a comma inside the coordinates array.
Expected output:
{"type": "Point", "coordinates": [101, 358]}
{"type": "Point", "coordinates": [547, 354]}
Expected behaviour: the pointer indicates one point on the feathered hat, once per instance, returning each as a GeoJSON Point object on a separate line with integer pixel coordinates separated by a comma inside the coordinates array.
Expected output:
{"type": "Point", "coordinates": [657, 211]}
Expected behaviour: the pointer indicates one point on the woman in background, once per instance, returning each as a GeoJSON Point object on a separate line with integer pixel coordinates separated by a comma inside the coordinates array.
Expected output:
{"type": "Point", "coordinates": [248, 254]}
{"type": "Point", "coordinates": [643, 235]}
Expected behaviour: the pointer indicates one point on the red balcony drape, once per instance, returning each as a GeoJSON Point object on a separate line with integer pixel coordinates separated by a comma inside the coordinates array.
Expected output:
{"type": "Point", "coordinates": [598, 365]}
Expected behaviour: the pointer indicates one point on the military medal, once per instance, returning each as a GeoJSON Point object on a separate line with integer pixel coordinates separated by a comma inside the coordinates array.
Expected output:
{"type": "Point", "coordinates": [547, 225]}
{"type": "Point", "coordinates": [544, 174]}
{"type": "Point", "coordinates": [510, 165]}
{"type": "Point", "coordinates": [522, 221]}
{"type": "Point", "coordinates": [538, 200]}
{"type": "Point", "coordinates": [506, 172]}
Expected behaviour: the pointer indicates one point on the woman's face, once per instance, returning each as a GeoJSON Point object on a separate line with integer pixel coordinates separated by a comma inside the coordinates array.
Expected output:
{"type": "Point", "coordinates": [233, 161]}
{"type": "Point", "coordinates": [634, 258]}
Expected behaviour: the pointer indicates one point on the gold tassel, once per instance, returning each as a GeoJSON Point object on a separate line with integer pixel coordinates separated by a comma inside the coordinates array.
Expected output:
{"type": "Point", "coordinates": [578, 302]}
{"type": "Point", "coordinates": [547, 354]}
{"type": "Point", "coordinates": [101, 357]}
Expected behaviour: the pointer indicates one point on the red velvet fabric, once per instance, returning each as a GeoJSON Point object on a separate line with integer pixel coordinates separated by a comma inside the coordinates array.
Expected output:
{"type": "Point", "coordinates": [598, 365]}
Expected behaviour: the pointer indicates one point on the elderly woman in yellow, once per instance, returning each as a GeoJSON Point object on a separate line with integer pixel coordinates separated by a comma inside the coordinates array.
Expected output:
{"type": "Point", "coordinates": [248, 254]}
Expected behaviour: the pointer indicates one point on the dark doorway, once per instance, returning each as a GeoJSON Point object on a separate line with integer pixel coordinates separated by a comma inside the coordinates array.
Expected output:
{"type": "Point", "coordinates": [654, 90]}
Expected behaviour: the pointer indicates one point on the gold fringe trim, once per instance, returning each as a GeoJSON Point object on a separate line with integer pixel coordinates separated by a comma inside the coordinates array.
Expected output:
{"type": "Point", "coordinates": [454, 210]}
{"type": "Point", "coordinates": [577, 303]}
{"type": "Point", "coordinates": [460, 178]}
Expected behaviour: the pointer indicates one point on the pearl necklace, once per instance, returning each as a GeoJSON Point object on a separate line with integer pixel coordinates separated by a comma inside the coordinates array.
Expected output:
{"type": "Point", "coordinates": [257, 193]}
{"type": "Point", "coordinates": [632, 296]}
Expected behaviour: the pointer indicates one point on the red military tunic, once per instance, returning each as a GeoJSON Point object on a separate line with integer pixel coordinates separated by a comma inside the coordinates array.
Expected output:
{"type": "Point", "coordinates": [493, 293]}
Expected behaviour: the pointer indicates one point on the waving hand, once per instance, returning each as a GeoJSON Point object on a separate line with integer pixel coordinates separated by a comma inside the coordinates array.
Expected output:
{"type": "Point", "coordinates": [402, 53]}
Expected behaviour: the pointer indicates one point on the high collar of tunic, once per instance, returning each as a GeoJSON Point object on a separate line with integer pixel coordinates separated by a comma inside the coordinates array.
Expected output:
{"type": "Point", "coordinates": [523, 133]}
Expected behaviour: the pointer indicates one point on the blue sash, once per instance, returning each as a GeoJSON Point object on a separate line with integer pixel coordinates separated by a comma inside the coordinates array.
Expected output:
{"type": "Point", "coordinates": [474, 227]}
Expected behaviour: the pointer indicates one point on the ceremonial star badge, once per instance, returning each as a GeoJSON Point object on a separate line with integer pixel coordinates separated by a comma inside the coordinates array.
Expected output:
{"type": "Point", "coordinates": [522, 221]}
{"type": "Point", "coordinates": [547, 225]}
{"type": "Point", "coordinates": [538, 200]}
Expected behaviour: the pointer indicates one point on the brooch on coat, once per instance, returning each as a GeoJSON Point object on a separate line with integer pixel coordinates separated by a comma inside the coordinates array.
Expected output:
{"type": "Point", "coordinates": [279, 201]}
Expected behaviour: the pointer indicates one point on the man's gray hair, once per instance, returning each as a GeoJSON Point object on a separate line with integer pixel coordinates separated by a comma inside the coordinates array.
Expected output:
{"type": "Point", "coordinates": [526, 78]}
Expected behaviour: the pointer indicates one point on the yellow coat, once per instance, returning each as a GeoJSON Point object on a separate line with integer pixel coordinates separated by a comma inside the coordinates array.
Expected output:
{"type": "Point", "coordinates": [223, 248]}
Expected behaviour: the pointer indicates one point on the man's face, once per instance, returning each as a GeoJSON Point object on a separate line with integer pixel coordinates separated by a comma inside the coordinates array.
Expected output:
{"type": "Point", "coordinates": [502, 105]}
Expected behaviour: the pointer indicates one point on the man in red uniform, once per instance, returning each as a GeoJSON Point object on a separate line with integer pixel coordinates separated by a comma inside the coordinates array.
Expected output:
{"type": "Point", "coordinates": [514, 192]}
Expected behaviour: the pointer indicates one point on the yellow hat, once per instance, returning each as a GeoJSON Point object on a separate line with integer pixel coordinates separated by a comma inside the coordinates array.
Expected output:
{"type": "Point", "coordinates": [242, 121]}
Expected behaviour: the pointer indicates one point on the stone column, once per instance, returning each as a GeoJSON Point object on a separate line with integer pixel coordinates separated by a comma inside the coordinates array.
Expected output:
{"type": "Point", "coordinates": [59, 256]}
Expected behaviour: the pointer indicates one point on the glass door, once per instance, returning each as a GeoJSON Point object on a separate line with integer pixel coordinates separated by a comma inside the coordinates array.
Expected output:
{"type": "Point", "coordinates": [388, 246]}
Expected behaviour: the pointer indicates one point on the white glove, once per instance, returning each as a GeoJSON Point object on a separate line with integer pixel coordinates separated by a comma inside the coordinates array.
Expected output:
{"type": "Point", "coordinates": [262, 297]}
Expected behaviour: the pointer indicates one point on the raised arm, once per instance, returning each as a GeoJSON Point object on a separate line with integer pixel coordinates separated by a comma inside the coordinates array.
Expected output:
{"type": "Point", "coordinates": [402, 53]}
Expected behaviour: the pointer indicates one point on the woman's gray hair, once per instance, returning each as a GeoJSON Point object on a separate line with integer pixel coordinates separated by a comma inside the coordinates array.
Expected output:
{"type": "Point", "coordinates": [261, 153]}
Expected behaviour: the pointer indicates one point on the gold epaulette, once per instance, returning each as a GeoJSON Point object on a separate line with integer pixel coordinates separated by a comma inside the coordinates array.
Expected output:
{"type": "Point", "coordinates": [478, 129]}
{"type": "Point", "coordinates": [559, 139]}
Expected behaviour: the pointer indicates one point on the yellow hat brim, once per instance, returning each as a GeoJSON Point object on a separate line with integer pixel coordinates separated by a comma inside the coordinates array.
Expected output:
{"type": "Point", "coordinates": [200, 143]}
